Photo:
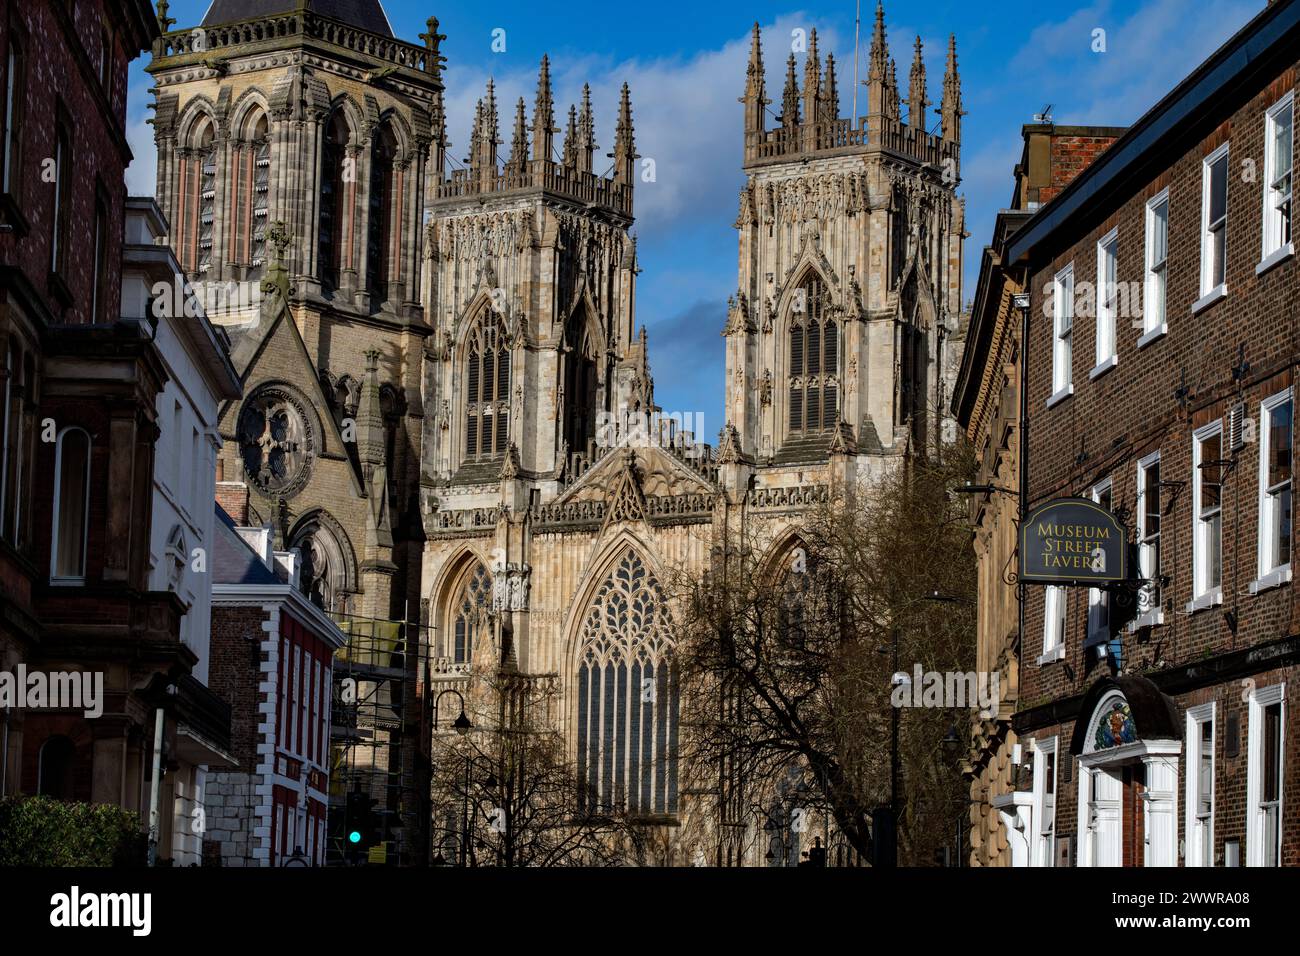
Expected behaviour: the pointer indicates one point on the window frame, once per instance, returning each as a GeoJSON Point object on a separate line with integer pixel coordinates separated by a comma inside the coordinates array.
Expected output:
{"type": "Point", "coordinates": [1198, 829]}
{"type": "Point", "coordinates": [1062, 335]}
{"type": "Point", "coordinates": [1056, 606]}
{"type": "Point", "coordinates": [1099, 598]}
{"type": "Point", "coordinates": [57, 511]}
{"type": "Point", "coordinates": [61, 214]}
{"type": "Point", "coordinates": [1261, 698]}
{"type": "Point", "coordinates": [1107, 348]}
{"type": "Point", "coordinates": [1149, 543]}
{"type": "Point", "coordinates": [1208, 287]}
{"type": "Point", "coordinates": [1043, 828]}
{"type": "Point", "coordinates": [1156, 273]}
{"type": "Point", "coordinates": [1204, 594]}
{"type": "Point", "coordinates": [1274, 247]}
{"type": "Point", "coordinates": [13, 114]}
{"type": "Point", "coordinates": [1271, 571]}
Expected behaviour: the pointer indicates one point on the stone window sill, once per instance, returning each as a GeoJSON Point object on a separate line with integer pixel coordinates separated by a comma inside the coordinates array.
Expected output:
{"type": "Point", "coordinates": [1055, 654]}
{"type": "Point", "coordinates": [1274, 579]}
{"type": "Point", "coordinates": [1203, 602]}
{"type": "Point", "coordinates": [1104, 366]}
{"type": "Point", "coordinates": [1216, 294]}
{"type": "Point", "coordinates": [1275, 258]}
{"type": "Point", "coordinates": [1153, 335]}
{"type": "Point", "coordinates": [1061, 396]}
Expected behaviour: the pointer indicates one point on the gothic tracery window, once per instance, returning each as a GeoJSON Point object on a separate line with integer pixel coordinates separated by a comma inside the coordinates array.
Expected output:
{"type": "Point", "coordinates": [487, 390]}
{"type": "Point", "coordinates": [628, 695]}
{"type": "Point", "coordinates": [196, 199]}
{"type": "Point", "coordinates": [323, 573]}
{"type": "Point", "coordinates": [814, 360]}
{"type": "Point", "coordinates": [470, 608]}
{"type": "Point", "coordinates": [207, 202]}
{"type": "Point", "coordinates": [251, 166]}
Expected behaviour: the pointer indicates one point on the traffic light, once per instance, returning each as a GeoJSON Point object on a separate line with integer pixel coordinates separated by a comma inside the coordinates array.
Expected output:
{"type": "Point", "coordinates": [362, 823]}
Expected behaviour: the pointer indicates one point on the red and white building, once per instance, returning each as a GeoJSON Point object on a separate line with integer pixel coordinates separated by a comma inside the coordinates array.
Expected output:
{"type": "Point", "coordinates": [272, 659]}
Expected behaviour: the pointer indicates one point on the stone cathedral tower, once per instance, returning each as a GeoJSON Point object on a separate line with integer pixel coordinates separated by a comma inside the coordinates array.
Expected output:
{"type": "Point", "coordinates": [850, 264]}
{"type": "Point", "coordinates": [295, 138]}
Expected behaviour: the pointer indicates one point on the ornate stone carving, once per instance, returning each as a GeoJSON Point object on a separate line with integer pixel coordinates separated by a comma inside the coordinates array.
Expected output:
{"type": "Point", "coordinates": [277, 440]}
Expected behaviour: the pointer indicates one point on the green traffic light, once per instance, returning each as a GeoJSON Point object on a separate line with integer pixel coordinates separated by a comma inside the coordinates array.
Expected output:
{"type": "Point", "coordinates": [354, 836]}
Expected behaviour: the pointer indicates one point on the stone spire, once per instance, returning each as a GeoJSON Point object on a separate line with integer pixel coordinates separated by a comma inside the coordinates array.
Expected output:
{"type": "Point", "coordinates": [544, 115]}
{"type": "Point", "coordinates": [570, 151]}
{"type": "Point", "coordinates": [916, 101]}
{"type": "Point", "coordinates": [950, 105]}
{"type": "Point", "coordinates": [892, 109]}
{"type": "Point", "coordinates": [790, 99]}
{"type": "Point", "coordinates": [586, 132]}
{"type": "Point", "coordinates": [878, 66]}
{"type": "Point", "coordinates": [755, 97]}
{"type": "Point", "coordinates": [830, 93]}
{"type": "Point", "coordinates": [518, 161]}
{"type": "Point", "coordinates": [486, 138]}
{"type": "Point", "coordinates": [812, 80]}
{"type": "Point", "coordinates": [624, 140]}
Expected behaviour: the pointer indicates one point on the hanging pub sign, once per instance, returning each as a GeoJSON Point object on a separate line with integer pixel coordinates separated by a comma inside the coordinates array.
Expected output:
{"type": "Point", "coordinates": [1072, 541]}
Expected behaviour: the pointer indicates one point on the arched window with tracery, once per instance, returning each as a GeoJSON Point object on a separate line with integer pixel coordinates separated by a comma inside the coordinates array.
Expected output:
{"type": "Point", "coordinates": [469, 613]}
{"type": "Point", "coordinates": [814, 360]}
{"type": "Point", "coordinates": [627, 717]}
{"type": "Point", "coordinates": [383, 153]}
{"type": "Point", "coordinates": [487, 389]}
{"type": "Point", "coordinates": [336, 198]}
{"type": "Point", "coordinates": [196, 198]}
{"type": "Point", "coordinates": [250, 192]}
{"type": "Point", "coordinates": [324, 572]}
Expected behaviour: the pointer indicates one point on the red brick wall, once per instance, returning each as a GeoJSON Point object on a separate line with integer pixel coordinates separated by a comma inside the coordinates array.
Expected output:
{"type": "Point", "coordinates": [1110, 422]}
{"type": "Point", "coordinates": [234, 672]}
{"type": "Point", "coordinates": [62, 58]}
{"type": "Point", "coordinates": [1070, 156]}
{"type": "Point", "coordinates": [233, 498]}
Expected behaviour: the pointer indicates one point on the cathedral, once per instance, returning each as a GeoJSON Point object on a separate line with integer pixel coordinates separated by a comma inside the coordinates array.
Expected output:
{"type": "Point", "coordinates": [430, 351]}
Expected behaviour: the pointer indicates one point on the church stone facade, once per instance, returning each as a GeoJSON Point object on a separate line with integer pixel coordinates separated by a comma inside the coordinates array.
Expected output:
{"type": "Point", "coordinates": [433, 358]}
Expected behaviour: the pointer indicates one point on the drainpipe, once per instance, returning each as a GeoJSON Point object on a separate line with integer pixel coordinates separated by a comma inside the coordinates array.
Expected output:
{"type": "Point", "coordinates": [156, 781]}
{"type": "Point", "coordinates": [1021, 301]}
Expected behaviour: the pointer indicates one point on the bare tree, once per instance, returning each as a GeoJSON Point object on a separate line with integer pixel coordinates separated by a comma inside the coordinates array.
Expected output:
{"type": "Point", "coordinates": [508, 795]}
{"type": "Point", "coordinates": [787, 658]}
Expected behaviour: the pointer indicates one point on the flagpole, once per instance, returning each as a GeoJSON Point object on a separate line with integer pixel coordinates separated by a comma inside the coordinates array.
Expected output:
{"type": "Point", "coordinates": [857, 22]}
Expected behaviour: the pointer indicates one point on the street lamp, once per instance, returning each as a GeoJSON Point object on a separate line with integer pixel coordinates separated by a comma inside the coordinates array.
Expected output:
{"type": "Point", "coordinates": [462, 725]}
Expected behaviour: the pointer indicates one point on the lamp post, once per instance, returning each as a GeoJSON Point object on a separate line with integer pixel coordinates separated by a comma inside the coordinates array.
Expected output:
{"type": "Point", "coordinates": [462, 725]}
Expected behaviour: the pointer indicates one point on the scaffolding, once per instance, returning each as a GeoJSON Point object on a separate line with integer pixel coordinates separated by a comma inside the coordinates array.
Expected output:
{"type": "Point", "coordinates": [375, 740]}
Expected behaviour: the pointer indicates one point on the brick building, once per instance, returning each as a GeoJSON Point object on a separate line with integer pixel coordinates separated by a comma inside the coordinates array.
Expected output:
{"type": "Point", "coordinates": [80, 389]}
{"type": "Point", "coordinates": [986, 402]}
{"type": "Point", "coordinates": [272, 659]}
{"type": "Point", "coordinates": [1155, 720]}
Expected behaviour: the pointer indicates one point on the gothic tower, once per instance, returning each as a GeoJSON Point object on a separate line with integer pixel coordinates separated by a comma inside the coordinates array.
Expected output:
{"type": "Point", "coordinates": [530, 292]}
{"type": "Point", "coordinates": [840, 331]}
{"type": "Point", "coordinates": [293, 149]}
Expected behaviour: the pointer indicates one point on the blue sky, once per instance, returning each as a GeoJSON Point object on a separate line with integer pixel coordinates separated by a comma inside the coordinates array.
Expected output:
{"type": "Point", "coordinates": [686, 66]}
